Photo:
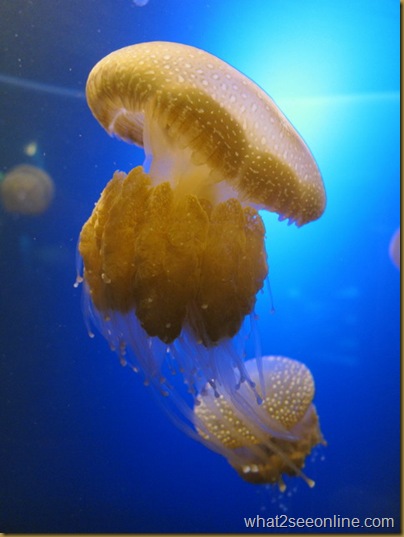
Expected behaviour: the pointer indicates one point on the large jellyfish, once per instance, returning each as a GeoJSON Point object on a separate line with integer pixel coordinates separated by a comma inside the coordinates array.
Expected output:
{"type": "Point", "coordinates": [26, 190]}
{"type": "Point", "coordinates": [174, 252]}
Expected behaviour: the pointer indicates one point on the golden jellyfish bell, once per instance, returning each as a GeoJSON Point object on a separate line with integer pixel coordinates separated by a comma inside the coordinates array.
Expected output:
{"type": "Point", "coordinates": [208, 129]}
{"type": "Point", "coordinates": [26, 190]}
{"type": "Point", "coordinates": [263, 441]}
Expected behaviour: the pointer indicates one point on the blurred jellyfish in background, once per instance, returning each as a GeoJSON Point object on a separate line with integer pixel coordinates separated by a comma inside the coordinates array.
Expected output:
{"type": "Point", "coordinates": [394, 248]}
{"type": "Point", "coordinates": [31, 148]}
{"type": "Point", "coordinates": [174, 251]}
{"type": "Point", "coordinates": [26, 190]}
{"type": "Point", "coordinates": [140, 3]}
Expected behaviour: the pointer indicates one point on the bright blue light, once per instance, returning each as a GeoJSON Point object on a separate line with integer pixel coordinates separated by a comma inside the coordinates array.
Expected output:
{"type": "Point", "coordinates": [333, 69]}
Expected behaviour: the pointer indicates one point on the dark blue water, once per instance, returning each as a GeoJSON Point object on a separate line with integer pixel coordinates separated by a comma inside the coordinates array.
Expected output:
{"type": "Point", "coordinates": [84, 446]}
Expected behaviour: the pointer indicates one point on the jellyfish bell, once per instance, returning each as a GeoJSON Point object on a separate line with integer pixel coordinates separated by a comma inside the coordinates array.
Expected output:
{"type": "Point", "coordinates": [173, 253]}
{"type": "Point", "coordinates": [263, 441]}
{"type": "Point", "coordinates": [206, 128]}
{"type": "Point", "coordinates": [26, 190]}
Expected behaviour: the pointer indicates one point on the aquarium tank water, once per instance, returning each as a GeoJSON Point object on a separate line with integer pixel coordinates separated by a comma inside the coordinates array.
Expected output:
{"type": "Point", "coordinates": [200, 266]}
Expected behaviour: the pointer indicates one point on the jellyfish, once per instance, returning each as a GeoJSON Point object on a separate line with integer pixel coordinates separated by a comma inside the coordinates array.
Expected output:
{"type": "Point", "coordinates": [31, 148]}
{"type": "Point", "coordinates": [394, 248]}
{"type": "Point", "coordinates": [287, 429]}
{"type": "Point", "coordinates": [26, 190]}
{"type": "Point", "coordinates": [173, 254]}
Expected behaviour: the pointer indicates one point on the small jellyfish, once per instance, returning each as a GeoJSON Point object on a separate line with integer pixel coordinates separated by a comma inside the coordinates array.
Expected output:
{"type": "Point", "coordinates": [263, 441]}
{"type": "Point", "coordinates": [394, 248]}
{"type": "Point", "coordinates": [26, 190]}
{"type": "Point", "coordinates": [174, 253]}
{"type": "Point", "coordinates": [31, 148]}
{"type": "Point", "coordinates": [140, 3]}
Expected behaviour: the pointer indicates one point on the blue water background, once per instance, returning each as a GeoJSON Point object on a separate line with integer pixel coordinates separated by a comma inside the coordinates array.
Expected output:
{"type": "Point", "coordinates": [84, 446]}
